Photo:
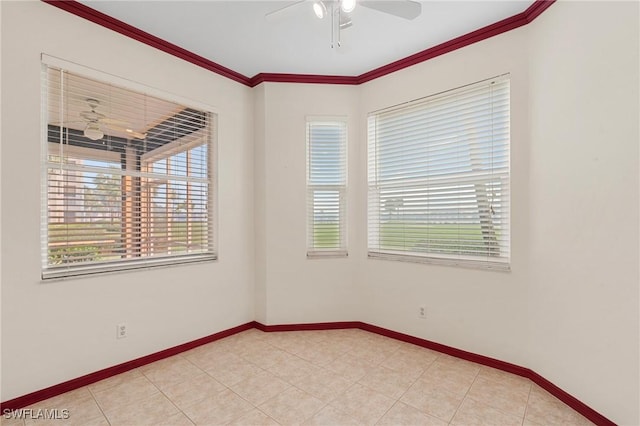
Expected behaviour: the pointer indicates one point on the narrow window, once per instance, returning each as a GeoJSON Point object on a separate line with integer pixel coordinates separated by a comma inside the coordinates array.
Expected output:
{"type": "Point", "coordinates": [127, 178]}
{"type": "Point", "coordinates": [326, 187]}
{"type": "Point", "coordinates": [439, 178]}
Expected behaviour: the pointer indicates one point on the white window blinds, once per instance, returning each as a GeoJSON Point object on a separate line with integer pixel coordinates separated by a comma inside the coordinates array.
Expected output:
{"type": "Point", "coordinates": [127, 178]}
{"type": "Point", "coordinates": [326, 188]}
{"type": "Point", "coordinates": [439, 178]}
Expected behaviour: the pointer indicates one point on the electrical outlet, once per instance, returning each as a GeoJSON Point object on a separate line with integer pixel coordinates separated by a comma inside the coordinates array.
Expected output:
{"type": "Point", "coordinates": [422, 312]}
{"type": "Point", "coordinates": [121, 331]}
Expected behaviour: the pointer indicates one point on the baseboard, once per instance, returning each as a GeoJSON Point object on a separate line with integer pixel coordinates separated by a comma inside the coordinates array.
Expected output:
{"type": "Point", "coordinates": [545, 384]}
{"type": "Point", "coordinates": [309, 326]}
{"type": "Point", "coordinates": [50, 392]}
{"type": "Point", "coordinates": [55, 390]}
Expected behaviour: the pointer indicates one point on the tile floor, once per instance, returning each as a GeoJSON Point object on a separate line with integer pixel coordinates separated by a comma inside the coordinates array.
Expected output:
{"type": "Point", "coordinates": [334, 377]}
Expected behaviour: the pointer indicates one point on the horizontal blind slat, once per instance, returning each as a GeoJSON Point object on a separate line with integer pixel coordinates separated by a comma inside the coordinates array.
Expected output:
{"type": "Point", "coordinates": [439, 176]}
{"type": "Point", "coordinates": [142, 191]}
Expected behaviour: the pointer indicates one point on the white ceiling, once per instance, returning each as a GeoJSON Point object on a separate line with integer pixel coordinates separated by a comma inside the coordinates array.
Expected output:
{"type": "Point", "coordinates": [235, 34]}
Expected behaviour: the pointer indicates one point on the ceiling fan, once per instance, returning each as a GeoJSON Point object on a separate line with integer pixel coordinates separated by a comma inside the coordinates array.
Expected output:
{"type": "Point", "coordinates": [340, 12]}
{"type": "Point", "coordinates": [96, 121]}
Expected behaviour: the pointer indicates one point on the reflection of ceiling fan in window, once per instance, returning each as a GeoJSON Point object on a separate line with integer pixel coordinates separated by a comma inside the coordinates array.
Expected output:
{"type": "Point", "coordinates": [97, 121]}
{"type": "Point", "coordinates": [339, 11]}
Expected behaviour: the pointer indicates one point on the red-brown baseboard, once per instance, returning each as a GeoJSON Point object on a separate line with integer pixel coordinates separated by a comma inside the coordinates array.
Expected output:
{"type": "Point", "coordinates": [78, 382]}
{"type": "Point", "coordinates": [571, 401]}
{"type": "Point", "coordinates": [554, 390]}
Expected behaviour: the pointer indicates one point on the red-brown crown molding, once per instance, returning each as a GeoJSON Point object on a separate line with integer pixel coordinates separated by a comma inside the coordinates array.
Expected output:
{"type": "Point", "coordinates": [508, 24]}
{"type": "Point", "coordinates": [302, 78]}
{"type": "Point", "coordinates": [102, 19]}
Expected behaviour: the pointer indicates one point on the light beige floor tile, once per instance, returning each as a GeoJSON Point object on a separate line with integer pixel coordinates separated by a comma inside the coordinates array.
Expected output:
{"type": "Point", "coordinates": [331, 416]}
{"type": "Point", "coordinates": [372, 352]}
{"type": "Point", "coordinates": [388, 382]}
{"type": "Point", "coordinates": [209, 356]}
{"type": "Point", "coordinates": [403, 414]}
{"type": "Point", "coordinates": [255, 418]}
{"type": "Point", "coordinates": [81, 409]}
{"type": "Point", "coordinates": [456, 385]}
{"type": "Point", "coordinates": [544, 408]}
{"type": "Point", "coordinates": [245, 348]}
{"type": "Point", "coordinates": [149, 411]}
{"type": "Point", "coordinates": [266, 357]}
{"type": "Point", "coordinates": [288, 341]}
{"type": "Point", "coordinates": [363, 404]}
{"type": "Point", "coordinates": [222, 408]}
{"type": "Point", "coordinates": [473, 413]}
{"type": "Point", "coordinates": [96, 421]}
{"type": "Point", "coordinates": [320, 354]}
{"type": "Point", "coordinates": [350, 367]}
{"type": "Point", "coordinates": [323, 367]}
{"type": "Point", "coordinates": [245, 337]}
{"type": "Point", "coordinates": [260, 387]}
{"type": "Point", "coordinates": [115, 380]}
{"type": "Point", "coordinates": [179, 419]}
{"type": "Point", "coordinates": [528, 422]}
{"type": "Point", "coordinates": [132, 390]}
{"type": "Point", "coordinates": [324, 384]}
{"type": "Point", "coordinates": [170, 371]}
{"type": "Point", "coordinates": [193, 390]}
{"type": "Point", "coordinates": [500, 376]}
{"type": "Point", "coordinates": [234, 370]}
{"type": "Point", "coordinates": [455, 378]}
{"type": "Point", "coordinates": [461, 365]}
{"type": "Point", "coordinates": [433, 399]}
{"type": "Point", "coordinates": [508, 397]}
{"type": "Point", "coordinates": [292, 368]}
{"type": "Point", "coordinates": [7, 420]}
{"type": "Point", "coordinates": [410, 361]}
{"type": "Point", "coordinates": [292, 407]}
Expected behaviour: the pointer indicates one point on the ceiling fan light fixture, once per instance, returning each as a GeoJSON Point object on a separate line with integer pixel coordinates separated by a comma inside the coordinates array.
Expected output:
{"type": "Point", "coordinates": [347, 6]}
{"type": "Point", "coordinates": [93, 132]}
{"type": "Point", "coordinates": [319, 9]}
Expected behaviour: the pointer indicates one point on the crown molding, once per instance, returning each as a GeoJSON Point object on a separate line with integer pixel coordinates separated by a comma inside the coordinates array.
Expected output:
{"type": "Point", "coordinates": [76, 8]}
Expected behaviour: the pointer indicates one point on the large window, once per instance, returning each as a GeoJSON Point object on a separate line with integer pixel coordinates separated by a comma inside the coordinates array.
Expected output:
{"type": "Point", "coordinates": [439, 178]}
{"type": "Point", "coordinates": [326, 187]}
{"type": "Point", "coordinates": [127, 178]}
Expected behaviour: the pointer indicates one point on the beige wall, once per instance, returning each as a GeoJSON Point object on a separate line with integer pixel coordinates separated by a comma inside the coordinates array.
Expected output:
{"type": "Point", "coordinates": [568, 309]}
{"type": "Point", "coordinates": [52, 332]}
{"type": "Point", "coordinates": [299, 290]}
{"type": "Point", "coordinates": [583, 292]}
{"type": "Point", "coordinates": [476, 310]}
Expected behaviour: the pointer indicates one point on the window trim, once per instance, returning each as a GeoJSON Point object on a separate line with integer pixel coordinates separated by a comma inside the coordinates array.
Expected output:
{"type": "Point", "coordinates": [118, 266]}
{"type": "Point", "coordinates": [374, 251]}
{"type": "Point", "coordinates": [342, 251]}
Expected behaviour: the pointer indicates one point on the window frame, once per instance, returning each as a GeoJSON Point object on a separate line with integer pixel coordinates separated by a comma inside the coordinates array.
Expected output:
{"type": "Point", "coordinates": [53, 272]}
{"type": "Point", "coordinates": [375, 249]}
{"type": "Point", "coordinates": [314, 251]}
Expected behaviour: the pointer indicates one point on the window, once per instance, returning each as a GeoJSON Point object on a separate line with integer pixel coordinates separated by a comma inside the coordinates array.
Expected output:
{"type": "Point", "coordinates": [439, 178]}
{"type": "Point", "coordinates": [326, 187]}
{"type": "Point", "coordinates": [127, 178]}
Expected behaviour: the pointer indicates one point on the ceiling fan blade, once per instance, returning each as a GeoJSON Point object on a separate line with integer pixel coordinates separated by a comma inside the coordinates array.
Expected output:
{"type": "Point", "coordinates": [283, 11]}
{"type": "Point", "coordinates": [64, 123]}
{"type": "Point", "coordinates": [406, 9]}
{"type": "Point", "coordinates": [115, 122]}
{"type": "Point", "coordinates": [124, 129]}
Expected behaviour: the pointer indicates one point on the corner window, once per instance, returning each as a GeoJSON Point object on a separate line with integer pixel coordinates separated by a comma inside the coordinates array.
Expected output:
{"type": "Point", "coordinates": [127, 178]}
{"type": "Point", "coordinates": [326, 187]}
{"type": "Point", "coordinates": [438, 180]}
